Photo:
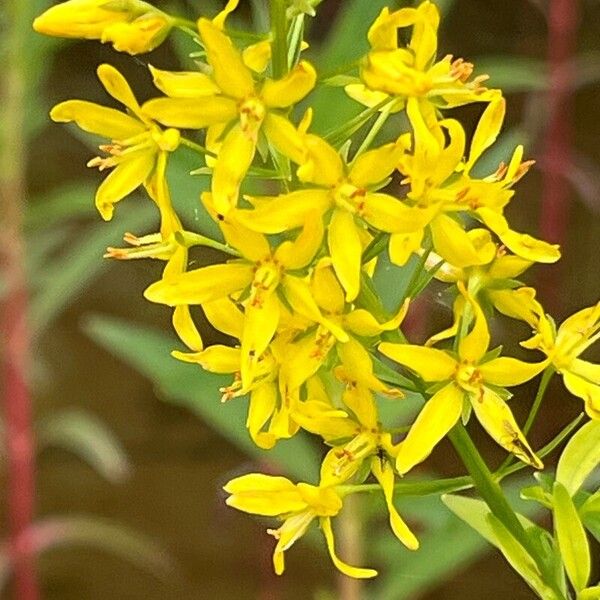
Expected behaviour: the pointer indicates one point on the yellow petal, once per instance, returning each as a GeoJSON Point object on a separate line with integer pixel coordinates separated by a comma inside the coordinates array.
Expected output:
{"type": "Point", "coordinates": [116, 85]}
{"type": "Point", "coordinates": [587, 390]}
{"type": "Point", "coordinates": [299, 253]}
{"type": "Point", "coordinates": [350, 571]}
{"type": "Point", "coordinates": [429, 363]}
{"type": "Point", "coordinates": [186, 328]}
{"type": "Point", "coordinates": [475, 344]}
{"type": "Point", "coordinates": [257, 56]}
{"type": "Point", "coordinates": [452, 243]}
{"type": "Point", "coordinates": [506, 371]}
{"type": "Point", "coordinates": [292, 88]}
{"type": "Point", "coordinates": [326, 288]}
{"type": "Point", "coordinates": [403, 245]}
{"type": "Point", "coordinates": [264, 495]}
{"type": "Point", "coordinates": [285, 212]}
{"type": "Point", "coordinates": [229, 71]}
{"type": "Point", "coordinates": [216, 358]}
{"type": "Point", "coordinates": [383, 33]}
{"type": "Point", "coordinates": [518, 304]}
{"type": "Point", "coordinates": [219, 20]}
{"type": "Point", "coordinates": [122, 180]}
{"type": "Point", "coordinates": [363, 323]}
{"type": "Point", "coordinates": [262, 405]}
{"type": "Point", "coordinates": [497, 419]}
{"type": "Point", "coordinates": [191, 113]}
{"type": "Point", "coordinates": [233, 162]}
{"type": "Point", "coordinates": [386, 213]}
{"type": "Point", "coordinates": [183, 84]}
{"type": "Point", "coordinates": [292, 529]}
{"type": "Point", "coordinates": [345, 249]}
{"type": "Point", "coordinates": [323, 165]}
{"type": "Point", "coordinates": [93, 118]}
{"type": "Point", "coordinates": [251, 245]}
{"type": "Point", "coordinates": [225, 316]}
{"type": "Point", "coordinates": [375, 166]}
{"type": "Point", "coordinates": [436, 419]}
{"type": "Point", "coordinates": [201, 285]}
{"type": "Point", "coordinates": [487, 130]}
{"type": "Point", "coordinates": [285, 137]}
{"type": "Point", "coordinates": [260, 324]}
{"type": "Point", "coordinates": [521, 244]}
{"type": "Point", "coordinates": [385, 476]}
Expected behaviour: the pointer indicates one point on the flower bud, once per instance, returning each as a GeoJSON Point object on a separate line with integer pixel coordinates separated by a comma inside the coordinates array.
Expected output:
{"type": "Point", "coordinates": [131, 26]}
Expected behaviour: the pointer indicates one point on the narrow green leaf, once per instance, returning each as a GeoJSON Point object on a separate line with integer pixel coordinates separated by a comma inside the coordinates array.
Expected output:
{"type": "Point", "coordinates": [69, 274]}
{"type": "Point", "coordinates": [85, 435]}
{"type": "Point", "coordinates": [94, 532]}
{"type": "Point", "coordinates": [572, 540]}
{"type": "Point", "coordinates": [148, 351]}
{"type": "Point", "coordinates": [580, 457]}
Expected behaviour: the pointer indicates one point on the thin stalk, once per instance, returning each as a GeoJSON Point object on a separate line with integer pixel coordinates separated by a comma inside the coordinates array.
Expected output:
{"type": "Point", "coordinates": [197, 147]}
{"type": "Point", "coordinates": [277, 10]}
{"type": "Point", "coordinates": [16, 398]}
{"type": "Point", "coordinates": [351, 548]}
{"type": "Point", "coordinates": [375, 129]}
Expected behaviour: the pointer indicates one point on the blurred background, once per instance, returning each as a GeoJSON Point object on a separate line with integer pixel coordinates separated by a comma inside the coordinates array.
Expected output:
{"type": "Point", "coordinates": [130, 448]}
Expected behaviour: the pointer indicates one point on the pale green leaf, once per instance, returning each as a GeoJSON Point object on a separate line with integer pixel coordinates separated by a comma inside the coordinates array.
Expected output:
{"type": "Point", "coordinates": [86, 436]}
{"type": "Point", "coordinates": [580, 457]}
{"type": "Point", "coordinates": [572, 540]}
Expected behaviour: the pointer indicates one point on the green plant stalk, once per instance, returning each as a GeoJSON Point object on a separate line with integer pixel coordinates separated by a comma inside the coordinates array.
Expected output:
{"type": "Point", "coordinates": [277, 12]}
{"type": "Point", "coordinates": [375, 129]}
{"type": "Point", "coordinates": [16, 398]}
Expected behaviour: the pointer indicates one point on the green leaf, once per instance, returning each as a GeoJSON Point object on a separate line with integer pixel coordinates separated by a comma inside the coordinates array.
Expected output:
{"type": "Point", "coordinates": [148, 351]}
{"type": "Point", "coordinates": [591, 521]}
{"type": "Point", "coordinates": [591, 593]}
{"type": "Point", "coordinates": [477, 514]}
{"type": "Point", "coordinates": [85, 435]}
{"type": "Point", "coordinates": [70, 273]}
{"type": "Point", "coordinates": [514, 73]}
{"type": "Point", "coordinates": [572, 540]}
{"type": "Point", "coordinates": [580, 457]}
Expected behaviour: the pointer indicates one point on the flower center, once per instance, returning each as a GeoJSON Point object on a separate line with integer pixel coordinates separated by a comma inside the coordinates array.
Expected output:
{"type": "Point", "coordinates": [252, 113]}
{"type": "Point", "coordinates": [349, 197]}
{"type": "Point", "coordinates": [468, 377]}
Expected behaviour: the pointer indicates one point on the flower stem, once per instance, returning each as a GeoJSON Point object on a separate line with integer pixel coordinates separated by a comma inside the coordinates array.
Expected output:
{"type": "Point", "coordinates": [279, 33]}
{"type": "Point", "coordinates": [13, 310]}
{"type": "Point", "coordinates": [379, 123]}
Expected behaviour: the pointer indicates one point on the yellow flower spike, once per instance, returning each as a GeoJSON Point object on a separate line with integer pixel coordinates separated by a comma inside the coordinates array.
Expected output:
{"type": "Point", "coordinates": [439, 415]}
{"type": "Point", "coordinates": [385, 476]}
{"type": "Point", "coordinates": [497, 419]}
{"type": "Point", "coordinates": [346, 569]}
{"type": "Point", "coordinates": [132, 26]}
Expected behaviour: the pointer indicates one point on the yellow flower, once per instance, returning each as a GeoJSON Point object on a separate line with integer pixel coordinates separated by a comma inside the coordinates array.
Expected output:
{"type": "Point", "coordinates": [234, 107]}
{"type": "Point", "coordinates": [441, 188]}
{"type": "Point", "coordinates": [136, 145]}
{"type": "Point", "coordinates": [264, 274]}
{"type": "Point", "coordinates": [468, 377]}
{"type": "Point", "coordinates": [412, 71]}
{"type": "Point", "coordinates": [131, 26]}
{"type": "Point", "coordinates": [347, 193]}
{"type": "Point", "coordinates": [563, 347]}
{"type": "Point", "coordinates": [297, 505]}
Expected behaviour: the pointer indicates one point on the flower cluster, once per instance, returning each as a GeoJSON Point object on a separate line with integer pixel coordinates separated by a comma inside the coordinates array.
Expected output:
{"type": "Point", "coordinates": [298, 295]}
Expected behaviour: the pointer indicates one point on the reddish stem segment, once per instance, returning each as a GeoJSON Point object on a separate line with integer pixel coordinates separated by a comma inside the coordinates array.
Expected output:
{"type": "Point", "coordinates": [13, 313]}
{"type": "Point", "coordinates": [563, 21]}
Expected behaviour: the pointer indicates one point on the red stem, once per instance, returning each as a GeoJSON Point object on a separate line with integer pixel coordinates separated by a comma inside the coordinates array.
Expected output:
{"type": "Point", "coordinates": [13, 316]}
{"type": "Point", "coordinates": [563, 21]}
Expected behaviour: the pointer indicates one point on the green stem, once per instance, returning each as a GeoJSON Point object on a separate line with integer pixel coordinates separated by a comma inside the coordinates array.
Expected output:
{"type": "Point", "coordinates": [417, 488]}
{"type": "Point", "coordinates": [539, 397]}
{"type": "Point", "coordinates": [375, 129]}
{"type": "Point", "coordinates": [279, 51]}
{"type": "Point", "coordinates": [197, 147]}
{"type": "Point", "coordinates": [185, 24]}
{"type": "Point", "coordinates": [492, 494]}
{"type": "Point", "coordinates": [195, 239]}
